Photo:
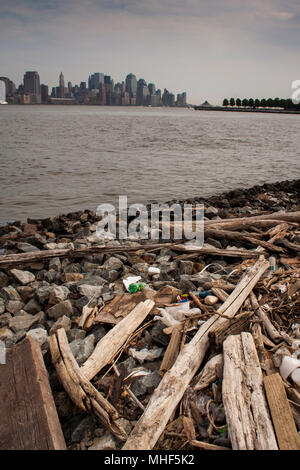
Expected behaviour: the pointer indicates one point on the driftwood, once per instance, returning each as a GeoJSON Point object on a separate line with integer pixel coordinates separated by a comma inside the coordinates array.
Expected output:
{"type": "Point", "coordinates": [247, 416]}
{"type": "Point", "coordinates": [174, 383]}
{"type": "Point", "coordinates": [172, 350]}
{"type": "Point", "coordinates": [270, 328]}
{"type": "Point", "coordinates": [284, 424]}
{"type": "Point", "coordinates": [220, 293]}
{"type": "Point", "coordinates": [241, 237]}
{"type": "Point", "coordinates": [236, 325]}
{"type": "Point", "coordinates": [206, 445]}
{"type": "Point", "coordinates": [111, 343]}
{"type": "Point", "coordinates": [79, 389]}
{"type": "Point", "coordinates": [233, 253]}
{"type": "Point", "coordinates": [29, 418]}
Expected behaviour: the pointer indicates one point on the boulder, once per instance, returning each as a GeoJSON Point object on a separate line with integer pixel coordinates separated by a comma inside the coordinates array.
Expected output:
{"type": "Point", "coordinates": [23, 277]}
{"type": "Point", "coordinates": [60, 309]}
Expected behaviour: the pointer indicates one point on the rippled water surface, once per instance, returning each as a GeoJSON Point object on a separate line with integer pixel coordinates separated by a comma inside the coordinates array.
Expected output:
{"type": "Point", "coordinates": [57, 159]}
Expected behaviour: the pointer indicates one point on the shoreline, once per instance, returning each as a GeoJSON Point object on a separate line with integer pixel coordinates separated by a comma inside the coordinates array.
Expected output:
{"type": "Point", "coordinates": [246, 110]}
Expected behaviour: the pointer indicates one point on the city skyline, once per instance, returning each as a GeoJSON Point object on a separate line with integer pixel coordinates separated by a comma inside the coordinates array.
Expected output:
{"type": "Point", "coordinates": [210, 48]}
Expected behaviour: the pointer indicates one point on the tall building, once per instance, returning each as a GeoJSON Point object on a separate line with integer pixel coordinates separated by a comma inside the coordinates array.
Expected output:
{"type": "Point", "coordinates": [141, 93]}
{"type": "Point", "coordinates": [10, 87]}
{"type": "Point", "coordinates": [131, 84]}
{"type": "Point", "coordinates": [32, 83]}
{"type": "Point", "coordinates": [95, 80]}
{"type": "Point", "coordinates": [61, 87]}
{"type": "Point", "coordinates": [45, 93]}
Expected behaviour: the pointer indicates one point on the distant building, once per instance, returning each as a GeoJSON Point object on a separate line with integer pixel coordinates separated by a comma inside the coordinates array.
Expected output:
{"type": "Point", "coordinates": [44, 93]}
{"type": "Point", "coordinates": [10, 87]}
{"type": "Point", "coordinates": [32, 86]}
{"type": "Point", "coordinates": [142, 92]}
{"type": "Point", "coordinates": [131, 84]}
{"type": "Point", "coordinates": [61, 87]}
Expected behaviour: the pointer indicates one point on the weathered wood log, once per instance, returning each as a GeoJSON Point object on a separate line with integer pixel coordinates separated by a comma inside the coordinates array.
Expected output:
{"type": "Point", "coordinates": [46, 255]}
{"type": "Point", "coordinates": [111, 343]}
{"type": "Point", "coordinates": [288, 244]}
{"type": "Point", "coordinates": [270, 328]}
{"type": "Point", "coordinates": [172, 350]}
{"type": "Point", "coordinates": [234, 253]}
{"type": "Point", "coordinates": [220, 293]}
{"type": "Point", "coordinates": [29, 418]}
{"type": "Point", "coordinates": [284, 424]}
{"type": "Point", "coordinates": [241, 237]}
{"type": "Point", "coordinates": [174, 383]}
{"type": "Point", "coordinates": [80, 390]}
{"type": "Point", "coordinates": [247, 415]}
{"type": "Point", "coordinates": [206, 445]}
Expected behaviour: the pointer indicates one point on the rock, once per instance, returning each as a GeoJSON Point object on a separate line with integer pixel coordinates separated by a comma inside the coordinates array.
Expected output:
{"type": "Point", "coordinates": [55, 264]}
{"type": "Point", "coordinates": [82, 348]}
{"type": "Point", "coordinates": [211, 300]}
{"type": "Point", "coordinates": [3, 280]}
{"type": "Point", "coordinates": [210, 210]}
{"type": "Point", "coordinates": [26, 247]}
{"type": "Point", "coordinates": [84, 426]}
{"type": "Point", "coordinates": [63, 405]}
{"type": "Point", "coordinates": [186, 267]}
{"type": "Point", "coordinates": [111, 275]}
{"type": "Point", "coordinates": [99, 332]}
{"type": "Point", "coordinates": [9, 293]}
{"type": "Point", "coordinates": [106, 442]}
{"type": "Point", "coordinates": [58, 294]}
{"type": "Point", "coordinates": [32, 307]}
{"type": "Point", "coordinates": [23, 277]}
{"type": "Point", "coordinates": [26, 292]}
{"type": "Point", "coordinates": [158, 335]}
{"type": "Point", "coordinates": [14, 306]}
{"type": "Point", "coordinates": [40, 335]}
{"type": "Point", "coordinates": [6, 333]}
{"type": "Point", "coordinates": [4, 319]}
{"type": "Point", "coordinates": [90, 291]}
{"type": "Point", "coordinates": [185, 285]}
{"type": "Point", "coordinates": [113, 264]}
{"type": "Point", "coordinates": [73, 277]}
{"type": "Point", "coordinates": [2, 306]}
{"type": "Point", "coordinates": [62, 322]}
{"type": "Point", "coordinates": [126, 425]}
{"type": "Point", "coordinates": [60, 309]}
{"type": "Point", "coordinates": [25, 321]}
{"type": "Point", "coordinates": [146, 384]}
{"type": "Point", "coordinates": [43, 293]}
{"type": "Point", "coordinates": [75, 333]}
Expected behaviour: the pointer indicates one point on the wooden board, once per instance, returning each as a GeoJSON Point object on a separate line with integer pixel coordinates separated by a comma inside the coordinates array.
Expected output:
{"type": "Point", "coordinates": [282, 416]}
{"type": "Point", "coordinates": [29, 419]}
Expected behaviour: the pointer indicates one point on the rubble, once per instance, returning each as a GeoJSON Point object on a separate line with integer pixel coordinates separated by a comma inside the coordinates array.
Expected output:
{"type": "Point", "coordinates": [163, 356]}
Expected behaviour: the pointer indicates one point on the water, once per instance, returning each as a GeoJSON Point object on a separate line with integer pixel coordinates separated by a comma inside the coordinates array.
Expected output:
{"type": "Point", "coordinates": [58, 159]}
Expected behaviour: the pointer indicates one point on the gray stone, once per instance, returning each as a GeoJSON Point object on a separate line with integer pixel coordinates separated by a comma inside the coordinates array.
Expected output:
{"type": "Point", "coordinates": [4, 319]}
{"type": "Point", "coordinates": [26, 292]}
{"type": "Point", "coordinates": [90, 291]}
{"type": "Point", "coordinates": [158, 335]}
{"type": "Point", "coordinates": [3, 280]}
{"type": "Point", "coordinates": [6, 333]}
{"type": "Point", "coordinates": [62, 322]}
{"type": "Point", "coordinates": [25, 321]}
{"type": "Point", "coordinates": [58, 294]}
{"type": "Point", "coordinates": [146, 384]}
{"type": "Point", "coordinates": [210, 210]}
{"type": "Point", "coordinates": [58, 310]}
{"type": "Point", "coordinates": [185, 285]}
{"type": "Point", "coordinates": [83, 427]}
{"type": "Point", "coordinates": [9, 293]}
{"type": "Point", "coordinates": [107, 296]}
{"type": "Point", "coordinates": [82, 348]}
{"type": "Point", "coordinates": [26, 247]}
{"type": "Point", "coordinates": [113, 264]}
{"type": "Point", "coordinates": [99, 332]}
{"type": "Point", "coordinates": [186, 267]}
{"type": "Point", "coordinates": [71, 267]}
{"type": "Point", "coordinates": [111, 275]}
{"type": "Point", "coordinates": [88, 267]}
{"type": "Point", "coordinates": [32, 307]}
{"type": "Point", "coordinates": [55, 264]}
{"type": "Point", "coordinates": [43, 294]}
{"type": "Point", "coordinates": [75, 333]}
{"type": "Point", "coordinates": [2, 306]}
{"type": "Point", "coordinates": [40, 335]}
{"type": "Point", "coordinates": [14, 306]}
{"type": "Point", "coordinates": [23, 277]}
{"type": "Point", "coordinates": [106, 442]}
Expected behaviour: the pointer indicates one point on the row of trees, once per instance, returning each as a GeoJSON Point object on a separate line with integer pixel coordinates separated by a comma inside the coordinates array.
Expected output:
{"type": "Point", "coordinates": [264, 103]}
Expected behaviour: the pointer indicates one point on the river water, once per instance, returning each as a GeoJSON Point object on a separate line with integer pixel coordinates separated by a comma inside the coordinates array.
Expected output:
{"type": "Point", "coordinates": [58, 159]}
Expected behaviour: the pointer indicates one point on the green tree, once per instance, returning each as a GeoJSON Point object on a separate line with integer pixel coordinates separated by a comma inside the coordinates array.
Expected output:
{"type": "Point", "coordinates": [263, 103]}
{"type": "Point", "coordinates": [245, 102]}
{"type": "Point", "coordinates": [232, 102]}
{"type": "Point", "coordinates": [282, 103]}
{"type": "Point", "coordinates": [238, 102]}
{"type": "Point", "coordinates": [270, 102]}
{"type": "Point", "coordinates": [277, 102]}
{"type": "Point", "coordinates": [251, 102]}
{"type": "Point", "coordinates": [257, 103]}
{"type": "Point", "coordinates": [225, 102]}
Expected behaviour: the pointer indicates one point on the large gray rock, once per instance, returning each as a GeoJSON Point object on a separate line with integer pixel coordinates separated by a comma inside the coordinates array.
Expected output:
{"type": "Point", "coordinates": [106, 442]}
{"type": "Point", "coordinates": [40, 335]}
{"type": "Point", "coordinates": [62, 322]}
{"type": "Point", "coordinates": [113, 263]}
{"type": "Point", "coordinates": [146, 384]}
{"type": "Point", "coordinates": [58, 310]}
{"type": "Point", "coordinates": [26, 247]}
{"type": "Point", "coordinates": [9, 293]}
{"type": "Point", "coordinates": [90, 291]}
{"type": "Point", "coordinates": [23, 277]}
{"type": "Point", "coordinates": [32, 307]}
{"type": "Point", "coordinates": [26, 292]}
{"type": "Point", "coordinates": [14, 306]}
{"type": "Point", "coordinates": [58, 294]}
{"type": "Point", "coordinates": [3, 279]}
{"type": "Point", "coordinates": [82, 348]}
{"type": "Point", "coordinates": [6, 333]}
{"type": "Point", "coordinates": [4, 319]}
{"type": "Point", "coordinates": [186, 267]}
{"type": "Point", "coordinates": [25, 321]}
{"type": "Point", "coordinates": [55, 264]}
{"type": "Point", "coordinates": [43, 294]}
{"type": "Point", "coordinates": [2, 306]}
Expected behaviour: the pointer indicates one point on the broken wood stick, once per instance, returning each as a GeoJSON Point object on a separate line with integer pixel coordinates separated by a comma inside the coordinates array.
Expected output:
{"type": "Point", "coordinates": [247, 415]}
{"type": "Point", "coordinates": [206, 445]}
{"type": "Point", "coordinates": [111, 343]}
{"type": "Point", "coordinates": [169, 392]}
{"type": "Point", "coordinates": [233, 253]}
{"type": "Point", "coordinates": [270, 328]}
{"type": "Point", "coordinates": [172, 350]}
{"type": "Point", "coordinates": [234, 326]}
{"type": "Point", "coordinates": [282, 417]}
{"type": "Point", "coordinates": [79, 389]}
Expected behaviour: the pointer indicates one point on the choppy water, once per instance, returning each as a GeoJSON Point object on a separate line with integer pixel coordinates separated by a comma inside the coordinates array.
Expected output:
{"type": "Point", "coordinates": [57, 159]}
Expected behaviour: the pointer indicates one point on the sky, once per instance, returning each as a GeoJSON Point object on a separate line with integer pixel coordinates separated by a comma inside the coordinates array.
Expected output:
{"type": "Point", "coordinates": [212, 49]}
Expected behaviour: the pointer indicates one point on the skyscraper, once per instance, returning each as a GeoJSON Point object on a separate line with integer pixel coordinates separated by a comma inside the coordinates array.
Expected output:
{"type": "Point", "coordinates": [61, 87]}
{"type": "Point", "coordinates": [32, 83]}
{"type": "Point", "coordinates": [131, 84]}
{"type": "Point", "coordinates": [141, 93]}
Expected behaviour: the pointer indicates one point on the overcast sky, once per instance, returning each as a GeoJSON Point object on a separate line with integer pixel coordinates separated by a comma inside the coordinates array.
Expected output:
{"type": "Point", "coordinates": [209, 48]}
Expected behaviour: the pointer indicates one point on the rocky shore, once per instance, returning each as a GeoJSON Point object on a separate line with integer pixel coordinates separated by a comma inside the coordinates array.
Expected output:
{"type": "Point", "coordinates": [39, 298]}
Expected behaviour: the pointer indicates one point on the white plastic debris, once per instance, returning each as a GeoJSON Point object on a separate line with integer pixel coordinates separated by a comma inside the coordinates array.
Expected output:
{"type": "Point", "coordinates": [153, 270]}
{"type": "Point", "coordinates": [131, 280]}
{"type": "Point", "coordinates": [288, 367]}
{"type": "Point", "coordinates": [171, 316]}
{"type": "Point", "coordinates": [145, 354]}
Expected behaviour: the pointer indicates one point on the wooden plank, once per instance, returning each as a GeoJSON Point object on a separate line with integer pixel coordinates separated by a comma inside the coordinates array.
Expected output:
{"type": "Point", "coordinates": [29, 418]}
{"type": "Point", "coordinates": [170, 391]}
{"type": "Point", "coordinates": [247, 415]}
{"type": "Point", "coordinates": [282, 416]}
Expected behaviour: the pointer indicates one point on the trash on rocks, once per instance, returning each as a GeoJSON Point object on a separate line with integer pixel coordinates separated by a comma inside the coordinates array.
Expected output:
{"type": "Point", "coordinates": [145, 354]}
